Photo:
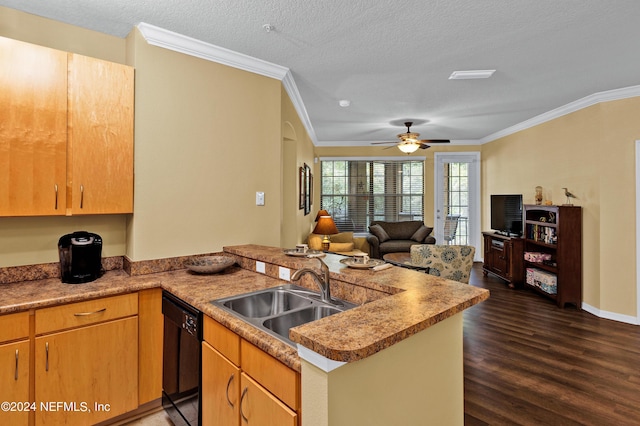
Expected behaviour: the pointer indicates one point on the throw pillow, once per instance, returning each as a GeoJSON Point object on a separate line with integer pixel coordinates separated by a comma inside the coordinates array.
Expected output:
{"type": "Point", "coordinates": [314, 241]}
{"type": "Point", "coordinates": [340, 247]}
{"type": "Point", "coordinates": [422, 233]}
{"type": "Point", "coordinates": [343, 237]}
{"type": "Point", "coordinates": [379, 232]}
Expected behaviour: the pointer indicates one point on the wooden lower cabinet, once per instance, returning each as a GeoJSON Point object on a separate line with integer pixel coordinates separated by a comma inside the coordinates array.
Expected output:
{"type": "Point", "coordinates": [88, 374]}
{"type": "Point", "coordinates": [220, 389]}
{"type": "Point", "coordinates": [243, 385]}
{"type": "Point", "coordinates": [14, 379]}
{"type": "Point", "coordinates": [503, 257]}
{"type": "Point", "coordinates": [259, 407]}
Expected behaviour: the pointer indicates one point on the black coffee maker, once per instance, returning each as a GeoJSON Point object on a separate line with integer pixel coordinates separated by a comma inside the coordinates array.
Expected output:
{"type": "Point", "coordinates": [80, 257]}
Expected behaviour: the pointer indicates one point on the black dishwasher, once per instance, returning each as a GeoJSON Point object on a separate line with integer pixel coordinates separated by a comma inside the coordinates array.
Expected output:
{"type": "Point", "coordinates": [181, 361]}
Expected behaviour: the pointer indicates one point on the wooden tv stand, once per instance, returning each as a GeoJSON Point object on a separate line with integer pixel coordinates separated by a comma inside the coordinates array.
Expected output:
{"type": "Point", "coordinates": [504, 257]}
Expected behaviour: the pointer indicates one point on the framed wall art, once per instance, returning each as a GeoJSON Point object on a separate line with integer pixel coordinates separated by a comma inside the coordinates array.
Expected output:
{"type": "Point", "coordinates": [302, 184]}
{"type": "Point", "coordinates": [307, 189]}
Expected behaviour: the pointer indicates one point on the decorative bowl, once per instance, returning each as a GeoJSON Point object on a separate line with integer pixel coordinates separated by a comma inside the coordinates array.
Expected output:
{"type": "Point", "coordinates": [209, 264]}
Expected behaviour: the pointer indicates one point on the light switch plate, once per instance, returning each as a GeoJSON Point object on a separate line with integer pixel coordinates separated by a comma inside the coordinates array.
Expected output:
{"type": "Point", "coordinates": [259, 198]}
{"type": "Point", "coordinates": [260, 267]}
{"type": "Point", "coordinates": [284, 273]}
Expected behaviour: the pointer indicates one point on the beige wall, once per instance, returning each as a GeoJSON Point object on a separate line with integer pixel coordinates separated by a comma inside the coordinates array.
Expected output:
{"type": "Point", "coordinates": [298, 149]}
{"type": "Point", "coordinates": [207, 138]}
{"type": "Point", "coordinates": [46, 32]}
{"type": "Point", "coordinates": [591, 152]}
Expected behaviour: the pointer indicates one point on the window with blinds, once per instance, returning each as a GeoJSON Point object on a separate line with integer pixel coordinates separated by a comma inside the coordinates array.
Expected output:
{"type": "Point", "coordinates": [357, 192]}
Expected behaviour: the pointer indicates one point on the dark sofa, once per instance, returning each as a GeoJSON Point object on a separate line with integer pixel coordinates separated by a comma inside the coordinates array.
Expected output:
{"type": "Point", "coordinates": [397, 237]}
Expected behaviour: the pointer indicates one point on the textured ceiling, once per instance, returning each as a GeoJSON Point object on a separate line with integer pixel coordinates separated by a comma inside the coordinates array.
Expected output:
{"type": "Point", "coordinates": [392, 58]}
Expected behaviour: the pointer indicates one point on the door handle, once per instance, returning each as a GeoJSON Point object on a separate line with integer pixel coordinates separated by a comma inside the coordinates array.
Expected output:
{"type": "Point", "coordinates": [81, 196]}
{"type": "Point", "coordinates": [86, 314]}
{"type": "Point", "coordinates": [244, 393]}
{"type": "Point", "coordinates": [229, 384]}
{"type": "Point", "coordinates": [46, 361]}
{"type": "Point", "coordinates": [16, 376]}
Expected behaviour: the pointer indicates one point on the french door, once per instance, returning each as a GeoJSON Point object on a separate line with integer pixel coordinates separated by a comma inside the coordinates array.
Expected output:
{"type": "Point", "coordinates": [457, 199]}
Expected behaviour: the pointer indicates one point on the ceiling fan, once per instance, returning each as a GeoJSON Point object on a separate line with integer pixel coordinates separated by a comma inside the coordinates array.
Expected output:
{"type": "Point", "coordinates": [409, 142]}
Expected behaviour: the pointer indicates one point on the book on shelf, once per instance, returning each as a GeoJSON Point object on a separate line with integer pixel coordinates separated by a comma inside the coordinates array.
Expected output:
{"type": "Point", "coordinates": [543, 234]}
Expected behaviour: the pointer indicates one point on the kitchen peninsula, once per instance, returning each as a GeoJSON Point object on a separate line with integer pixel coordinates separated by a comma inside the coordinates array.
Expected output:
{"type": "Point", "coordinates": [396, 359]}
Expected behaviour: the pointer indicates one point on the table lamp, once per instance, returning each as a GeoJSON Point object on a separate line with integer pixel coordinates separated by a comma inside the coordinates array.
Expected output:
{"type": "Point", "coordinates": [321, 213]}
{"type": "Point", "coordinates": [326, 227]}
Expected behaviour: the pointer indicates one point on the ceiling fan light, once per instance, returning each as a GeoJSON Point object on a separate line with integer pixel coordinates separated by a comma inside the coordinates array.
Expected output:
{"type": "Point", "coordinates": [408, 148]}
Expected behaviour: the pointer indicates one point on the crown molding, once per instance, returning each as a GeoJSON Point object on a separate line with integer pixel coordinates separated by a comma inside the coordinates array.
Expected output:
{"type": "Point", "coordinates": [166, 39]}
{"type": "Point", "coordinates": [160, 37]}
{"type": "Point", "coordinates": [587, 101]}
{"type": "Point", "coordinates": [292, 90]}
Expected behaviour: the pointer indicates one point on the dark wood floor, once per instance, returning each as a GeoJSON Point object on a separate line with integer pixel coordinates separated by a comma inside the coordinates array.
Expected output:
{"type": "Point", "coordinates": [527, 362]}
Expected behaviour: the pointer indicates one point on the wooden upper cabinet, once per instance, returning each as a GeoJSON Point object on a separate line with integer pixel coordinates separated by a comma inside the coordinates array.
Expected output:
{"type": "Point", "coordinates": [100, 146]}
{"type": "Point", "coordinates": [66, 133]}
{"type": "Point", "coordinates": [33, 129]}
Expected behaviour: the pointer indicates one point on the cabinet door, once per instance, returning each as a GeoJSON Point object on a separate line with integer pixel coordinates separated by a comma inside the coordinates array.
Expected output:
{"type": "Point", "coordinates": [220, 389]}
{"type": "Point", "coordinates": [100, 136]}
{"type": "Point", "coordinates": [259, 408]}
{"type": "Point", "coordinates": [33, 129]}
{"type": "Point", "coordinates": [87, 375]}
{"type": "Point", "coordinates": [14, 376]}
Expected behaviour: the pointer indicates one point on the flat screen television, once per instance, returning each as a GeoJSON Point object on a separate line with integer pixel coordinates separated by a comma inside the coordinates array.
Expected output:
{"type": "Point", "coordinates": [506, 214]}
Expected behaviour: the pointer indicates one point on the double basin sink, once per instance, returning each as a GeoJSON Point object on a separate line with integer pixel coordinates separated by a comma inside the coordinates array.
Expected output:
{"type": "Point", "coordinates": [276, 310]}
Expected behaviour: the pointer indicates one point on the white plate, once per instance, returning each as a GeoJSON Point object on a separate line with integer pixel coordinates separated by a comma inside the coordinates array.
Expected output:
{"type": "Point", "coordinates": [372, 263]}
{"type": "Point", "coordinates": [308, 253]}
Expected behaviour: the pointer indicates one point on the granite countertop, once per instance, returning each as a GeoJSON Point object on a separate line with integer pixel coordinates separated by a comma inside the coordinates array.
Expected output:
{"type": "Point", "coordinates": [407, 301]}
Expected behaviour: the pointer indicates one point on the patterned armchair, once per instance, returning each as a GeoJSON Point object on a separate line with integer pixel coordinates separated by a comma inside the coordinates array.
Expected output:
{"type": "Point", "coordinates": [451, 262]}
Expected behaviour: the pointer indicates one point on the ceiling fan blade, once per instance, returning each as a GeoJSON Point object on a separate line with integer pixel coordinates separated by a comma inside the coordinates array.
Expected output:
{"type": "Point", "coordinates": [424, 146]}
{"type": "Point", "coordinates": [435, 141]}
{"type": "Point", "coordinates": [380, 143]}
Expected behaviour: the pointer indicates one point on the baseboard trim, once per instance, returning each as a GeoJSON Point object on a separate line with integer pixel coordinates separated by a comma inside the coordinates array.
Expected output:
{"type": "Point", "coordinates": [610, 315]}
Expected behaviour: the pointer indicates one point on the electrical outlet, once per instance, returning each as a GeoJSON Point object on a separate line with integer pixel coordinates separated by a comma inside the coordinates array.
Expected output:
{"type": "Point", "coordinates": [284, 273]}
{"type": "Point", "coordinates": [260, 267]}
{"type": "Point", "coordinates": [260, 198]}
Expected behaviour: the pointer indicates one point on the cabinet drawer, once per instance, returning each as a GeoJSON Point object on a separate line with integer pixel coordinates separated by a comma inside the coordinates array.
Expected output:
{"type": "Point", "coordinates": [281, 381]}
{"type": "Point", "coordinates": [85, 313]}
{"type": "Point", "coordinates": [14, 326]}
{"type": "Point", "coordinates": [222, 339]}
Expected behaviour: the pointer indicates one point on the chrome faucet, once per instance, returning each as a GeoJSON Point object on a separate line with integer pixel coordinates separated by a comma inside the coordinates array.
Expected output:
{"type": "Point", "coordinates": [322, 281]}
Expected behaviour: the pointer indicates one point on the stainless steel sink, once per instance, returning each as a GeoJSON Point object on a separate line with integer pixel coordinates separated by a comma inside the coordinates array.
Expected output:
{"type": "Point", "coordinates": [266, 303]}
{"type": "Point", "coordinates": [282, 323]}
{"type": "Point", "coordinates": [276, 310]}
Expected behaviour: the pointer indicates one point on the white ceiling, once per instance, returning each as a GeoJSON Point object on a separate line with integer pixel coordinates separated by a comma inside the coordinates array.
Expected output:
{"type": "Point", "coordinates": [392, 58]}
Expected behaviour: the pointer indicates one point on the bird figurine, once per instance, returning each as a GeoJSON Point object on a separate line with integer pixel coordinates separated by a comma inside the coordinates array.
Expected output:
{"type": "Point", "coordinates": [569, 196]}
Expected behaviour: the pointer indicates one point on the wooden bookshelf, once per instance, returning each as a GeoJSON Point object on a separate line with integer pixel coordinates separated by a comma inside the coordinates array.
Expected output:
{"type": "Point", "coordinates": [555, 232]}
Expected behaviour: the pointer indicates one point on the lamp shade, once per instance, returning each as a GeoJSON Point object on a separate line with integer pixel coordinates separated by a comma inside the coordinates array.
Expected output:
{"type": "Point", "coordinates": [321, 213]}
{"type": "Point", "coordinates": [325, 226]}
